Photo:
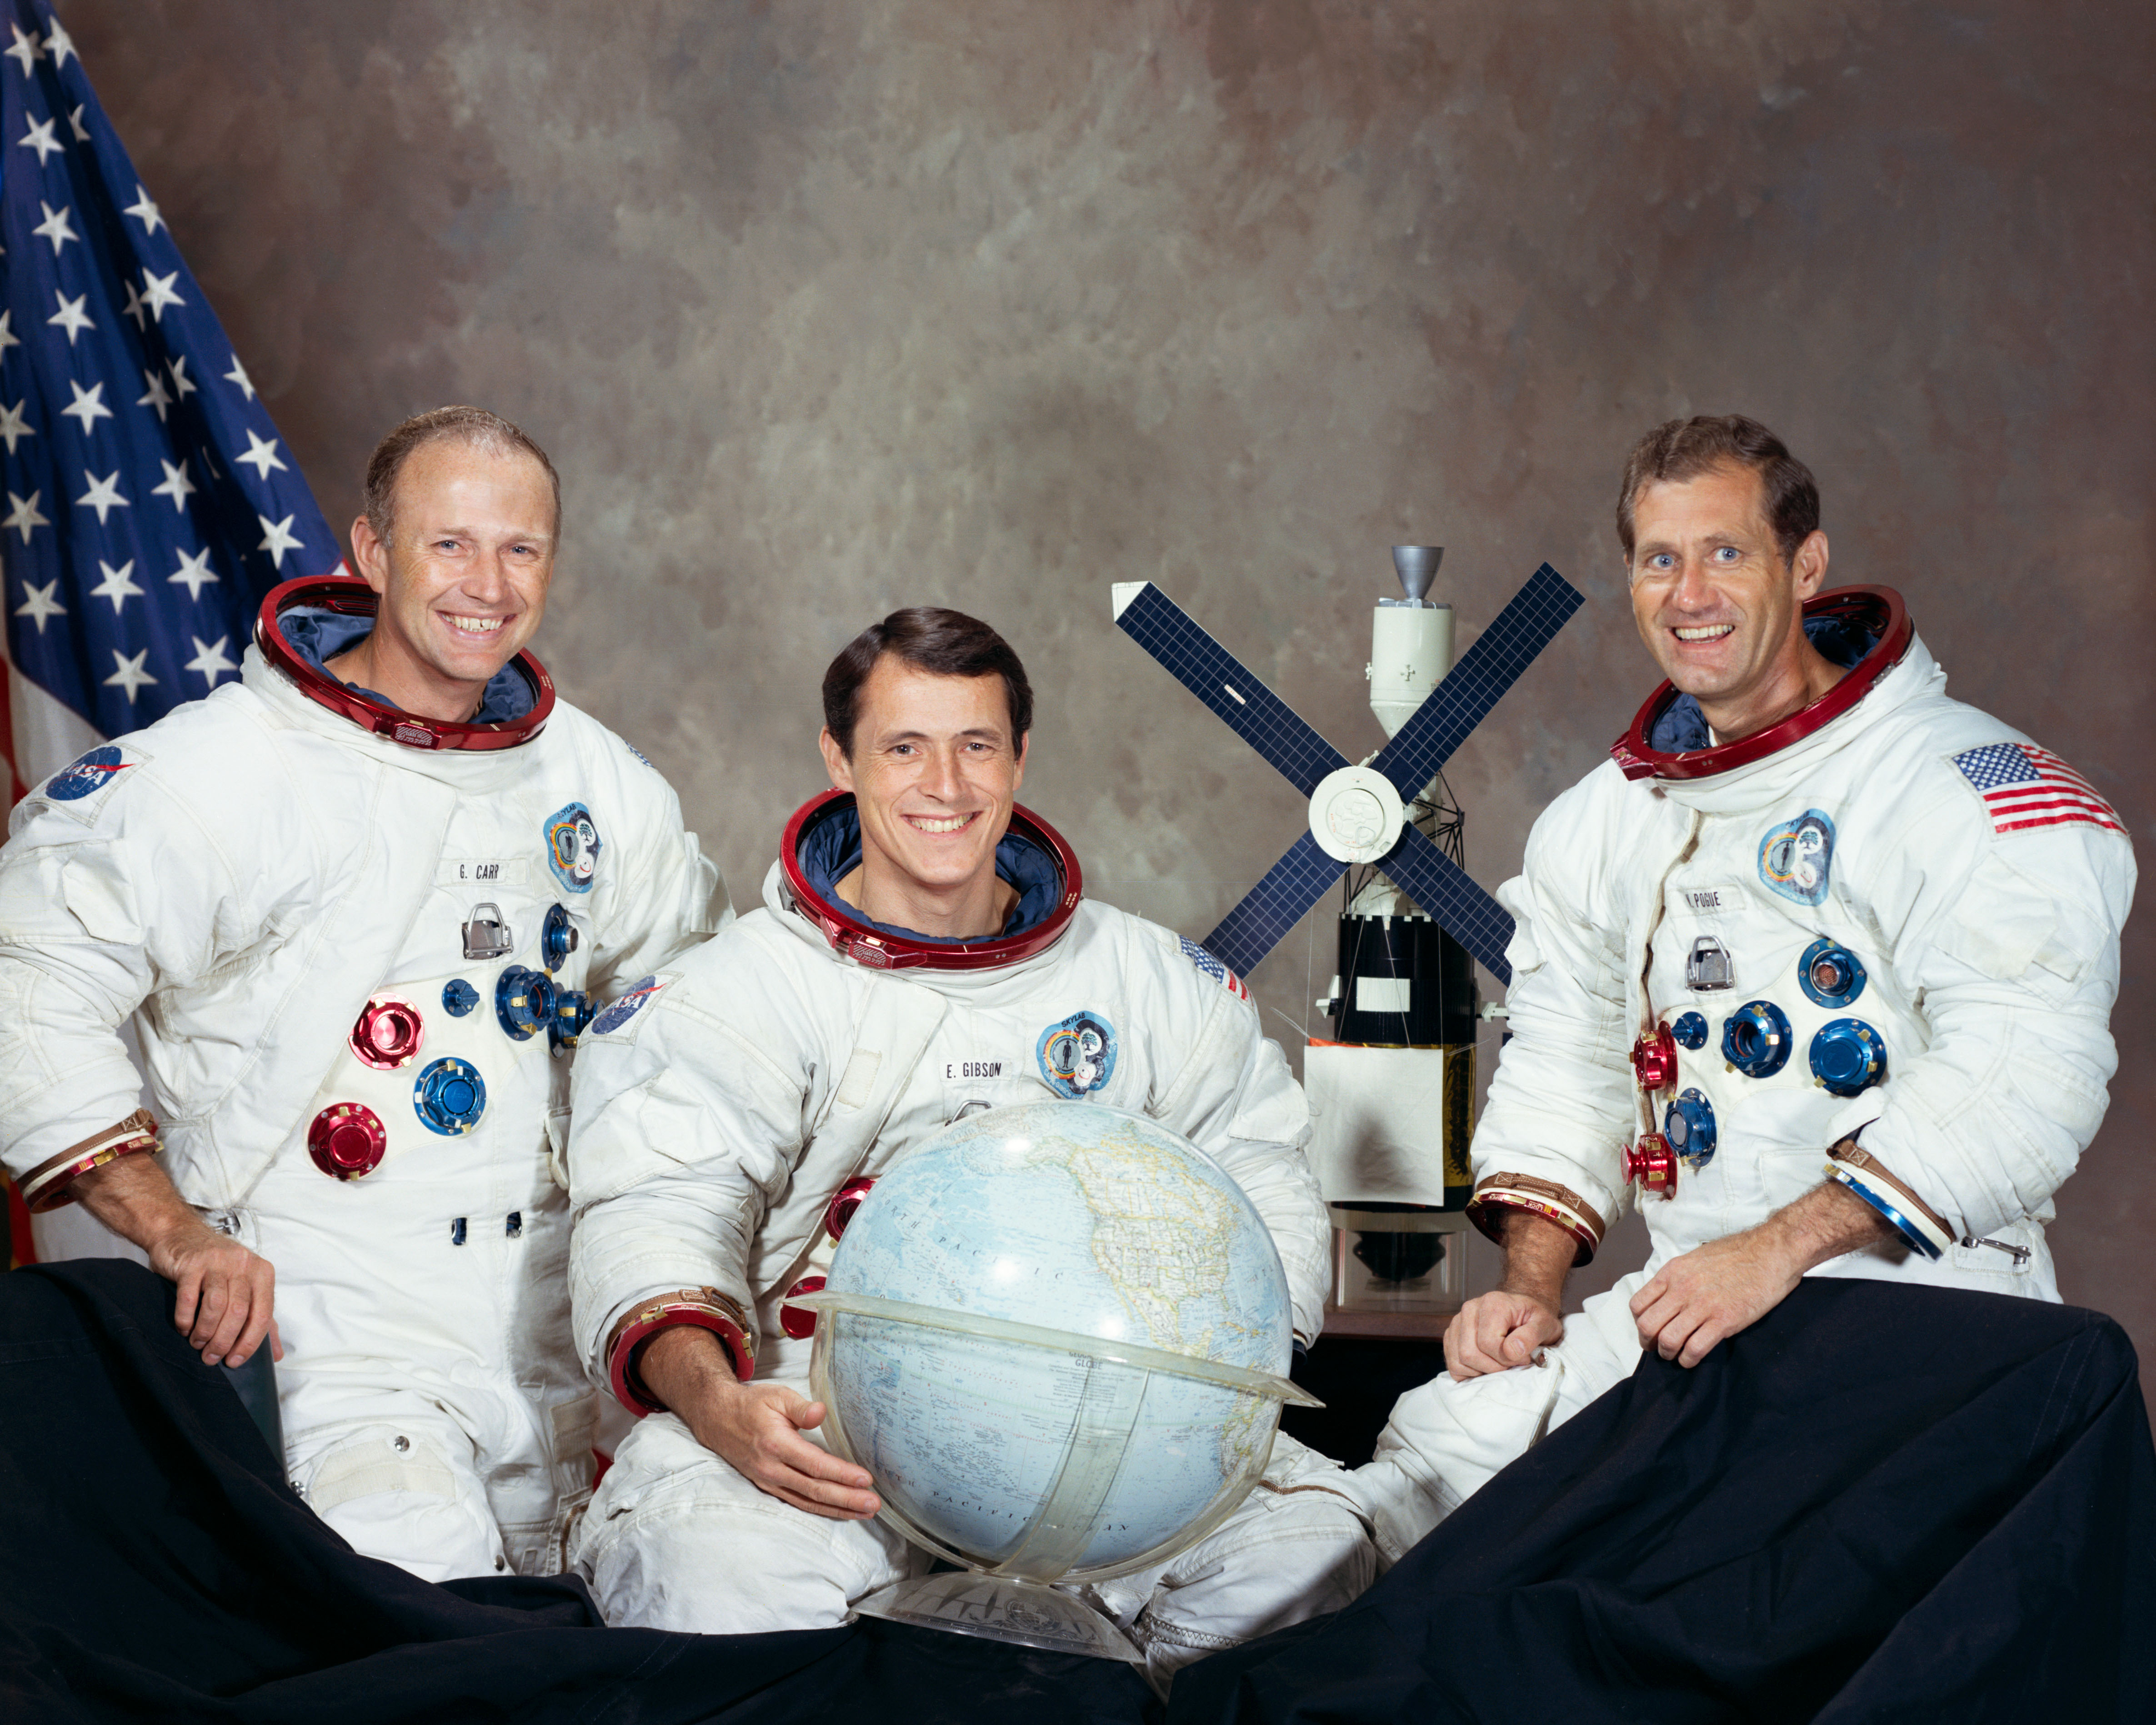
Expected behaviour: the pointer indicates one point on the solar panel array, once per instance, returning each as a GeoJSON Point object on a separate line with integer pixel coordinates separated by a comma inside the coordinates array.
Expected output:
{"type": "Point", "coordinates": [1454, 708]}
{"type": "Point", "coordinates": [1463, 700]}
{"type": "Point", "coordinates": [1452, 900]}
{"type": "Point", "coordinates": [1273, 905]}
{"type": "Point", "coordinates": [1209, 671]}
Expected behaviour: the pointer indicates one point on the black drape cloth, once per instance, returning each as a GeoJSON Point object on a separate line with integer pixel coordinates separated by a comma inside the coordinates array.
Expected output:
{"type": "Point", "coordinates": [1879, 1503]}
{"type": "Point", "coordinates": [155, 1565]}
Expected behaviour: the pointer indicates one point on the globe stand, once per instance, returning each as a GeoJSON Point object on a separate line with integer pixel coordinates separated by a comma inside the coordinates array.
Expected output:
{"type": "Point", "coordinates": [1003, 1607]}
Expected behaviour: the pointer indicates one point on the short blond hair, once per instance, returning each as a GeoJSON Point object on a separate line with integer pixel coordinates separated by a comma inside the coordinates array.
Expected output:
{"type": "Point", "coordinates": [475, 426]}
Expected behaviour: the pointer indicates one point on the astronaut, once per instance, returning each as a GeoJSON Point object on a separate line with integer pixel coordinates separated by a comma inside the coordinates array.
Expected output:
{"type": "Point", "coordinates": [1818, 970]}
{"type": "Point", "coordinates": [923, 952]}
{"type": "Point", "coordinates": [359, 903]}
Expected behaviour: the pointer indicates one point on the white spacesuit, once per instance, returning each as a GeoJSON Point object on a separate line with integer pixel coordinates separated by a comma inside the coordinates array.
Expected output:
{"type": "Point", "coordinates": [355, 944]}
{"type": "Point", "coordinates": [1889, 918]}
{"type": "Point", "coordinates": [801, 1052]}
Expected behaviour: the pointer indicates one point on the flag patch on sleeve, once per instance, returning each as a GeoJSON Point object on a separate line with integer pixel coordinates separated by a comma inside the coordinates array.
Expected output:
{"type": "Point", "coordinates": [2025, 787]}
{"type": "Point", "coordinates": [1209, 966]}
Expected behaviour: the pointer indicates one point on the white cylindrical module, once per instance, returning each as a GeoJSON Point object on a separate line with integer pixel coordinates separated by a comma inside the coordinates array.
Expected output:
{"type": "Point", "coordinates": [1410, 649]}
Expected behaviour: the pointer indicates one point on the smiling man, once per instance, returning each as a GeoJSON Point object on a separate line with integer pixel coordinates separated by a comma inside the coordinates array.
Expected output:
{"type": "Point", "coordinates": [924, 952]}
{"type": "Point", "coordinates": [1817, 969]}
{"type": "Point", "coordinates": [360, 904]}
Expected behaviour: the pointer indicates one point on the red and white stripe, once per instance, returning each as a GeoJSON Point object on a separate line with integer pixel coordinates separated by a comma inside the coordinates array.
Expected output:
{"type": "Point", "coordinates": [2058, 796]}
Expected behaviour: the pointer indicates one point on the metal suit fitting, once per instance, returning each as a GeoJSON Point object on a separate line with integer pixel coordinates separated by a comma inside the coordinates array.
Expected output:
{"type": "Point", "coordinates": [1755, 1039]}
{"type": "Point", "coordinates": [1830, 974]}
{"type": "Point", "coordinates": [449, 1096]}
{"type": "Point", "coordinates": [1689, 1030]}
{"type": "Point", "coordinates": [1653, 1165]}
{"type": "Point", "coordinates": [1707, 968]}
{"type": "Point", "coordinates": [844, 1202]}
{"type": "Point", "coordinates": [459, 997]}
{"type": "Point", "coordinates": [796, 1321]}
{"type": "Point", "coordinates": [1689, 1125]}
{"type": "Point", "coordinates": [1655, 1060]}
{"type": "Point", "coordinates": [524, 1002]}
{"type": "Point", "coordinates": [486, 935]}
{"type": "Point", "coordinates": [557, 938]}
{"type": "Point", "coordinates": [387, 1032]}
{"type": "Point", "coordinates": [573, 1011]}
{"type": "Point", "coordinates": [1848, 1057]}
{"type": "Point", "coordinates": [346, 1140]}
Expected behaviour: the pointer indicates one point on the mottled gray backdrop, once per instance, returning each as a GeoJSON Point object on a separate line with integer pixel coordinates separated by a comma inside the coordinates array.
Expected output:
{"type": "Point", "coordinates": [828, 307]}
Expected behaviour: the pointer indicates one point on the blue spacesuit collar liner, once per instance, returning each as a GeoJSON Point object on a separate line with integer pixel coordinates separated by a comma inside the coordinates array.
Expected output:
{"type": "Point", "coordinates": [830, 849]}
{"type": "Point", "coordinates": [318, 634]}
{"type": "Point", "coordinates": [1681, 726]}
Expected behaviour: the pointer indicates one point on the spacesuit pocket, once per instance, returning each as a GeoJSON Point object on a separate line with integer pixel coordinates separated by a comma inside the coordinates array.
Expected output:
{"type": "Point", "coordinates": [574, 1422]}
{"type": "Point", "coordinates": [101, 899]}
{"type": "Point", "coordinates": [1773, 1145]}
{"type": "Point", "coordinates": [557, 1146]}
{"type": "Point", "coordinates": [380, 1458]}
{"type": "Point", "coordinates": [2001, 923]}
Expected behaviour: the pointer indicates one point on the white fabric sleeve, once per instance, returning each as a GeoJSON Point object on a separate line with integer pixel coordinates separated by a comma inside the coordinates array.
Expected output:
{"type": "Point", "coordinates": [1560, 1109]}
{"type": "Point", "coordinates": [1234, 1097]}
{"type": "Point", "coordinates": [668, 897]}
{"type": "Point", "coordinates": [2011, 943]}
{"type": "Point", "coordinates": [100, 907]}
{"type": "Point", "coordinates": [684, 1133]}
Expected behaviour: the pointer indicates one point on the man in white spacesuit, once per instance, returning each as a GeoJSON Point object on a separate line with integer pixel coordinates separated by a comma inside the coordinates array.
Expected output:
{"type": "Point", "coordinates": [924, 952]}
{"type": "Point", "coordinates": [359, 904]}
{"type": "Point", "coordinates": [1819, 966]}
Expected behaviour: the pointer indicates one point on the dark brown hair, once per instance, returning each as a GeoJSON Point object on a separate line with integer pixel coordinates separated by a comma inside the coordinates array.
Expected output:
{"type": "Point", "coordinates": [946, 643]}
{"type": "Point", "coordinates": [472, 425]}
{"type": "Point", "coordinates": [1685, 449]}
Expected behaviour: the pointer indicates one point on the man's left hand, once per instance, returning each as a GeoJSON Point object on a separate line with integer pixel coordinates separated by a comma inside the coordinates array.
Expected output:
{"type": "Point", "coordinates": [1712, 1292]}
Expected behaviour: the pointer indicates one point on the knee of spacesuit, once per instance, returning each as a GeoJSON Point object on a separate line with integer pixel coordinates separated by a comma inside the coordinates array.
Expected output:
{"type": "Point", "coordinates": [395, 1492]}
{"type": "Point", "coordinates": [675, 1539]}
{"type": "Point", "coordinates": [1295, 1548]}
{"type": "Point", "coordinates": [1447, 1439]}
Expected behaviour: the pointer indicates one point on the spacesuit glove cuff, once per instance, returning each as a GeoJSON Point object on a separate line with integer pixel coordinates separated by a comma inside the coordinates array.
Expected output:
{"type": "Point", "coordinates": [1496, 1194]}
{"type": "Point", "coordinates": [701, 1308]}
{"type": "Point", "coordinates": [48, 1185]}
{"type": "Point", "coordinates": [1922, 1227]}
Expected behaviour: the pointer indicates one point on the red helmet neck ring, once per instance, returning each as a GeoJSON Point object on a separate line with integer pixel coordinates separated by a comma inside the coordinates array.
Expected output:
{"type": "Point", "coordinates": [852, 936]}
{"type": "Point", "coordinates": [1878, 609]}
{"type": "Point", "coordinates": [349, 595]}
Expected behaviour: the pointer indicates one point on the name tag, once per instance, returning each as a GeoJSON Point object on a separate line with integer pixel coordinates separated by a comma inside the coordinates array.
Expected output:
{"type": "Point", "coordinates": [474, 872]}
{"type": "Point", "coordinates": [974, 1069]}
{"type": "Point", "coordinates": [1708, 901]}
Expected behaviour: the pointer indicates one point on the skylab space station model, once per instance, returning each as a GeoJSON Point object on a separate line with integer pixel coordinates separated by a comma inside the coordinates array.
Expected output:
{"type": "Point", "coordinates": [1389, 1094]}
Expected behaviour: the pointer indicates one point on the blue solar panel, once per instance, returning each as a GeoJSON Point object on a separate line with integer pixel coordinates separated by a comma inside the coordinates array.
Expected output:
{"type": "Point", "coordinates": [1216, 677]}
{"type": "Point", "coordinates": [1269, 910]}
{"type": "Point", "coordinates": [1464, 699]}
{"type": "Point", "coordinates": [1453, 901]}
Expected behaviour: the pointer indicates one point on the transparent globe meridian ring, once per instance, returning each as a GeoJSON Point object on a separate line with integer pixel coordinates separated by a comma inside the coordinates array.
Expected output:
{"type": "Point", "coordinates": [1057, 1335]}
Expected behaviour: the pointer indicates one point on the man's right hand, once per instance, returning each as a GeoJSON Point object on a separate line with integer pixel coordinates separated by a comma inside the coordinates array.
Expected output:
{"type": "Point", "coordinates": [755, 1427]}
{"type": "Point", "coordinates": [1499, 1331]}
{"type": "Point", "coordinates": [228, 1296]}
{"type": "Point", "coordinates": [1503, 1331]}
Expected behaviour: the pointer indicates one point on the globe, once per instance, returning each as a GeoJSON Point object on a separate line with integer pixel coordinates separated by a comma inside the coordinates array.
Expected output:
{"type": "Point", "coordinates": [1057, 1336]}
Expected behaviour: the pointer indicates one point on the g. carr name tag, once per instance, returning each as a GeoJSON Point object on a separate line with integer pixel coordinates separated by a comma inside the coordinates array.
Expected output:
{"type": "Point", "coordinates": [481, 871]}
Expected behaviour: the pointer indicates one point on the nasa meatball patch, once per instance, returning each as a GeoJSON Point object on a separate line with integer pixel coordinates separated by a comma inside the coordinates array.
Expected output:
{"type": "Point", "coordinates": [625, 1006]}
{"type": "Point", "coordinates": [1077, 1055]}
{"type": "Point", "coordinates": [1796, 857]}
{"type": "Point", "coordinates": [573, 847]}
{"type": "Point", "coordinates": [1209, 966]}
{"type": "Point", "coordinates": [90, 773]}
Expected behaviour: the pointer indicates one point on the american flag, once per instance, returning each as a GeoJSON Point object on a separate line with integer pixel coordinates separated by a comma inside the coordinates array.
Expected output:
{"type": "Point", "coordinates": [2025, 787]}
{"type": "Point", "coordinates": [150, 501]}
